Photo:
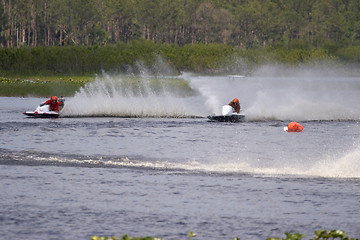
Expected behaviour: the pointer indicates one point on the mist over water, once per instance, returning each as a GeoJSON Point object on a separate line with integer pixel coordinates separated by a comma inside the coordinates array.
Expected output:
{"type": "Point", "coordinates": [270, 93]}
{"type": "Point", "coordinates": [305, 94]}
{"type": "Point", "coordinates": [273, 93]}
{"type": "Point", "coordinates": [132, 96]}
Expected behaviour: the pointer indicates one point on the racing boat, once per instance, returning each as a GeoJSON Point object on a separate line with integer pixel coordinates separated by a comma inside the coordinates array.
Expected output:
{"type": "Point", "coordinates": [43, 111]}
{"type": "Point", "coordinates": [228, 115]}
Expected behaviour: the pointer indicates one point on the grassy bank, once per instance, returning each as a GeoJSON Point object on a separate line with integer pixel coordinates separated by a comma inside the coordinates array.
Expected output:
{"type": "Point", "coordinates": [43, 86]}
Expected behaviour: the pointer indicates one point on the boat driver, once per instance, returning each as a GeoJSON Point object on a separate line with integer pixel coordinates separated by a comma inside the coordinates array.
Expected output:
{"type": "Point", "coordinates": [53, 103]}
{"type": "Point", "coordinates": [235, 104]}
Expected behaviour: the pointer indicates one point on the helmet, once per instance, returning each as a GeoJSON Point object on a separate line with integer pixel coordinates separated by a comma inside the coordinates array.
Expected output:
{"type": "Point", "coordinates": [54, 98]}
{"type": "Point", "coordinates": [235, 100]}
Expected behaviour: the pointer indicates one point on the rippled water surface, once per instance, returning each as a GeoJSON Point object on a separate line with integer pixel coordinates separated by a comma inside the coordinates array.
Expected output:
{"type": "Point", "coordinates": [93, 172]}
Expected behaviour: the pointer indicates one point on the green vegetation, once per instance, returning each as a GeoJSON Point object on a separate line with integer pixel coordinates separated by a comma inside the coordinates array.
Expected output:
{"type": "Point", "coordinates": [41, 86]}
{"type": "Point", "coordinates": [319, 235]}
{"type": "Point", "coordinates": [201, 36]}
{"type": "Point", "coordinates": [206, 36]}
{"type": "Point", "coordinates": [121, 57]}
{"type": "Point", "coordinates": [247, 24]}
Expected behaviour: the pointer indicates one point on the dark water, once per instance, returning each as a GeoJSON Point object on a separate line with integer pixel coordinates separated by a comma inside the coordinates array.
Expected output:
{"type": "Point", "coordinates": [75, 177]}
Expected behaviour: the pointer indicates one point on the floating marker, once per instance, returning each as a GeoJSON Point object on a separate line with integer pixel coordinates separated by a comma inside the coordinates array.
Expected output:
{"type": "Point", "coordinates": [293, 127]}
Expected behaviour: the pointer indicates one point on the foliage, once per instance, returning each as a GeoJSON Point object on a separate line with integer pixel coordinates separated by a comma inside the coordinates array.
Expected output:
{"type": "Point", "coordinates": [351, 54]}
{"type": "Point", "coordinates": [191, 235]}
{"type": "Point", "coordinates": [320, 235]}
{"type": "Point", "coordinates": [247, 24]}
{"type": "Point", "coordinates": [289, 236]}
{"type": "Point", "coordinates": [88, 60]}
{"type": "Point", "coordinates": [333, 234]}
{"type": "Point", "coordinates": [199, 57]}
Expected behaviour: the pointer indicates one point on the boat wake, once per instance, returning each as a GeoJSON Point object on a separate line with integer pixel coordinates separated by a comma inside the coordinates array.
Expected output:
{"type": "Point", "coordinates": [133, 96]}
{"type": "Point", "coordinates": [345, 167]}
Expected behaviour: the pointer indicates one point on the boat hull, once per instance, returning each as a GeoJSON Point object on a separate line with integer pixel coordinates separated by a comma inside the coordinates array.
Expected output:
{"type": "Point", "coordinates": [228, 118]}
{"type": "Point", "coordinates": [41, 115]}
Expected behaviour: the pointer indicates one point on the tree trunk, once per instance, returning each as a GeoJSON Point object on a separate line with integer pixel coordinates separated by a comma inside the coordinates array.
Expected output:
{"type": "Point", "coordinates": [61, 35]}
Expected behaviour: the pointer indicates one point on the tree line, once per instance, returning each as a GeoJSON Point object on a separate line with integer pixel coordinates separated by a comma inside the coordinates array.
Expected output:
{"type": "Point", "coordinates": [246, 24]}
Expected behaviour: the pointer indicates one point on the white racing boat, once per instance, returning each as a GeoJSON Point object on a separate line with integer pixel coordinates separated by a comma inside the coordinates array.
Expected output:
{"type": "Point", "coordinates": [43, 111]}
{"type": "Point", "coordinates": [228, 115]}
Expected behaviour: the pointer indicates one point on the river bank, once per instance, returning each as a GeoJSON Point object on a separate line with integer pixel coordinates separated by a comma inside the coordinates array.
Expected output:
{"type": "Point", "coordinates": [41, 86]}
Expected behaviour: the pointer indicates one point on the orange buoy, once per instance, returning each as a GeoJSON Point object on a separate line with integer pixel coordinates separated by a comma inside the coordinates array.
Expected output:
{"type": "Point", "coordinates": [294, 127]}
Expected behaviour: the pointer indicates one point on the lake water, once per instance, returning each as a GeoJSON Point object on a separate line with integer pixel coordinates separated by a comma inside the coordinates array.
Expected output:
{"type": "Point", "coordinates": [149, 163]}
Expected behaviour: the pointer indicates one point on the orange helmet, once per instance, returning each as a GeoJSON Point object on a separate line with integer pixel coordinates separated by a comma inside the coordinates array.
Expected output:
{"type": "Point", "coordinates": [54, 98]}
{"type": "Point", "coordinates": [235, 100]}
